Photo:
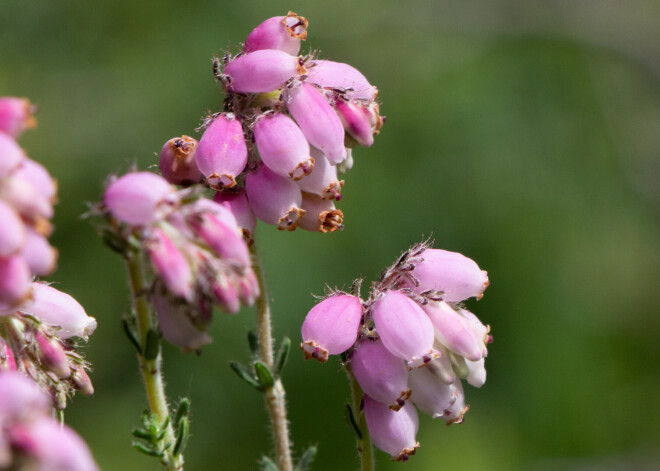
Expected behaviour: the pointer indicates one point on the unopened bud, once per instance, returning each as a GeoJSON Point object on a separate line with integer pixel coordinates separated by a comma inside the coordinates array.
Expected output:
{"type": "Point", "coordinates": [222, 154]}
{"type": "Point", "coordinates": [177, 161]}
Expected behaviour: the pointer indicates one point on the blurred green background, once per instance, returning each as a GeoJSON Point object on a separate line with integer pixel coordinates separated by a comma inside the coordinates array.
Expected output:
{"type": "Point", "coordinates": [524, 134]}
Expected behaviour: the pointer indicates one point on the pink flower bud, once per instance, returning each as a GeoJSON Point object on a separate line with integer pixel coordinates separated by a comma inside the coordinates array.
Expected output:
{"type": "Point", "coordinates": [7, 359]}
{"type": "Point", "coordinates": [323, 180]}
{"type": "Point", "coordinates": [138, 198]}
{"type": "Point", "coordinates": [40, 256]}
{"type": "Point", "coordinates": [320, 215]}
{"type": "Point", "coordinates": [37, 175]}
{"type": "Point", "coordinates": [26, 198]}
{"type": "Point", "coordinates": [340, 76]}
{"type": "Point", "coordinates": [356, 119]}
{"type": "Point", "coordinates": [22, 399]}
{"type": "Point", "coordinates": [430, 393]}
{"type": "Point", "coordinates": [318, 121]}
{"type": "Point", "coordinates": [226, 294]}
{"type": "Point", "coordinates": [453, 330]}
{"type": "Point", "coordinates": [177, 161]}
{"type": "Point", "coordinates": [12, 231]}
{"type": "Point", "coordinates": [404, 328]}
{"type": "Point", "coordinates": [282, 146]}
{"type": "Point", "coordinates": [274, 199]}
{"type": "Point", "coordinates": [248, 288]}
{"type": "Point", "coordinates": [222, 154]}
{"type": "Point", "coordinates": [457, 276]}
{"type": "Point", "coordinates": [15, 279]}
{"type": "Point", "coordinates": [52, 355]}
{"type": "Point", "coordinates": [224, 239]}
{"type": "Point", "coordinates": [11, 154]}
{"type": "Point", "coordinates": [261, 71]}
{"type": "Point", "coordinates": [331, 327]}
{"type": "Point", "coordinates": [56, 308]}
{"type": "Point", "coordinates": [280, 32]}
{"type": "Point", "coordinates": [393, 432]}
{"type": "Point", "coordinates": [239, 206]}
{"type": "Point", "coordinates": [171, 265]}
{"type": "Point", "coordinates": [81, 381]}
{"type": "Point", "coordinates": [16, 115]}
{"type": "Point", "coordinates": [177, 325]}
{"type": "Point", "coordinates": [380, 374]}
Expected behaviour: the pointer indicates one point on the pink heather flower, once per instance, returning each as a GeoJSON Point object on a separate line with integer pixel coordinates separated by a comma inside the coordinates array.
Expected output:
{"type": "Point", "coordinates": [238, 204]}
{"type": "Point", "coordinates": [171, 265]}
{"type": "Point", "coordinates": [454, 331]}
{"type": "Point", "coordinates": [380, 374]}
{"type": "Point", "coordinates": [26, 199]}
{"type": "Point", "coordinates": [279, 32]}
{"type": "Point", "coordinates": [320, 215]}
{"type": "Point", "coordinates": [177, 161]}
{"type": "Point", "coordinates": [337, 75]}
{"type": "Point", "coordinates": [177, 325]}
{"type": "Point", "coordinates": [357, 121]}
{"type": "Point", "coordinates": [227, 295]}
{"type": "Point", "coordinates": [323, 180]}
{"type": "Point", "coordinates": [274, 199]}
{"type": "Point", "coordinates": [476, 373]}
{"type": "Point", "coordinates": [52, 355]}
{"type": "Point", "coordinates": [457, 276]}
{"type": "Point", "coordinates": [222, 154]}
{"type": "Point", "coordinates": [430, 393]}
{"type": "Point", "coordinates": [15, 279]}
{"type": "Point", "coordinates": [393, 432]}
{"type": "Point", "coordinates": [12, 231]}
{"type": "Point", "coordinates": [138, 198]}
{"type": "Point", "coordinates": [261, 71]}
{"type": "Point", "coordinates": [16, 115]}
{"type": "Point", "coordinates": [331, 327]}
{"type": "Point", "coordinates": [282, 146]}
{"type": "Point", "coordinates": [317, 120]}
{"type": "Point", "coordinates": [11, 153]}
{"type": "Point", "coordinates": [404, 328]}
{"type": "Point", "coordinates": [455, 412]}
{"type": "Point", "coordinates": [7, 358]}
{"type": "Point", "coordinates": [21, 399]}
{"type": "Point", "coordinates": [40, 256]}
{"type": "Point", "coordinates": [37, 176]}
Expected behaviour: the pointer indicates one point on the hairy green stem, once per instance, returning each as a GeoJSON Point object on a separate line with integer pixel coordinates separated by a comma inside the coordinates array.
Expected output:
{"type": "Point", "coordinates": [364, 447]}
{"type": "Point", "coordinates": [275, 396]}
{"type": "Point", "coordinates": [151, 369]}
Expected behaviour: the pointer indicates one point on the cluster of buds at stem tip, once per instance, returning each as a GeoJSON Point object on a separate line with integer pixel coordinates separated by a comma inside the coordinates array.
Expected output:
{"type": "Point", "coordinates": [30, 437]}
{"type": "Point", "coordinates": [195, 247]}
{"type": "Point", "coordinates": [288, 126]}
{"type": "Point", "coordinates": [411, 343]}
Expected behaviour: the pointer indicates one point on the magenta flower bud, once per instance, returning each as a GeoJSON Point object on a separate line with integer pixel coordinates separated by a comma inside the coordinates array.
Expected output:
{"type": "Point", "coordinates": [138, 198]}
{"type": "Point", "coordinates": [453, 330]}
{"type": "Point", "coordinates": [56, 308]}
{"type": "Point", "coordinates": [226, 294]}
{"type": "Point", "coordinates": [12, 231]}
{"type": "Point", "coordinates": [171, 265]}
{"type": "Point", "coordinates": [7, 358]}
{"type": "Point", "coordinates": [22, 399]}
{"type": "Point", "coordinates": [222, 154]}
{"type": "Point", "coordinates": [15, 279]}
{"type": "Point", "coordinates": [238, 204]}
{"type": "Point", "coordinates": [393, 432]}
{"type": "Point", "coordinates": [248, 288]}
{"type": "Point", "coordinates": [261, 71]}
{"type": "Point", "coordinates": [320, 215]}
{"type": "Point", "coordinates": [81, 381]}
{"type": "Point", "coordinates": [224, 239]}
{"type": "Point", "coordinates": [282, 146]}
{"type": "Point", "coordinates": [457, 276]}
{"type": "Point", "coordinates": [331, 327]}
{"type": "Point", "coordinates": [16, 115]}
{"type": "Point", "coordinates": [356, 119]}
{"type": "Point", "coordinates": [318, 121]}
{"type": "Point", "coordinates": [323, 180]}
{"type": "Point", "coordinates": [404, 328]}
{"type": "Point", "coordinates": [430, 393]}
{"type": "Point", "coordinates": [380, 374]}
{"type": "Point", "coordinates": [11, 154]}
{"type": "Point", "coordinates": [40, 256]}
{"type": "Point", "coordinates": [455, 412]}
{"type": "Point", "coordinates": [177, 161]}
{"type": "Point", "coordinates": [476, 372]}
{"type": "Point", "coordinates": [274, 199]}
{"type": "Point", "coordinates": [280, 32]}
{"type": "Point", "coordinates": [52, 355]}
{"type": "Point", "coordinates": [337, 75]}
{"type": "Point", "coordinates": [177, 326]}
{"type": "Point", "coordinates": [25, 198]}
{"type": "Point", "coordinates": [37, 175]}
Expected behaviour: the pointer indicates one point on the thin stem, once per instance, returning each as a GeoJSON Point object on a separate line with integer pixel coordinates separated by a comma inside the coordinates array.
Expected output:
{"type": "Point", "coordinates": [151, 369]}
{"type": "Point", "coordinates": [275, 396]}
{"type": "Point", "coordinates": [364, 447]}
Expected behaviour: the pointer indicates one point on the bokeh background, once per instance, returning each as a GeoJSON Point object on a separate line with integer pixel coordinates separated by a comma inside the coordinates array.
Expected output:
{"type": "Point", "coordinates": [524, 134]}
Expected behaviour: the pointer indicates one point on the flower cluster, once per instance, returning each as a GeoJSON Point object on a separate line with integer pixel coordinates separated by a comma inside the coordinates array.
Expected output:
{"type": "Point", "coordinates": [195, 247]}
{"type": "Point", "coordinates": [411, 342]}
{"type": "Point", "coordinates": [30, 437]}
{"type": "Point", "coordinates": [289, 122]}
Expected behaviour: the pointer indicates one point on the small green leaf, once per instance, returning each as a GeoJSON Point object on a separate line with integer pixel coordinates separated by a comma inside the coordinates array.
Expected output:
{"type": "Point", "coordinates": [182, 411]}
{"type": "Point", "coordinates": [253, 342]}
{"type": "Point", "coordinates": [264, 375]}
{"type": "Point", "coordinates": [130, 333]}
{"type": "Point", "coordinates": [245, 374]}
{"type": "Point", "coordinates": [141, 433]}
{"type": "Point", "coordinates": [350, 417]}
{"type": "Point", "coordinates": [267, 464]}
{"type": "Point", "coordinates": [114, 241]}
{"type": "Point", "coordinates": [152, 347]}
{"type": "Point", "coordinates": [282, 355]}
{"type": "Point", "coordinates": [182, 434]}
{"type": "Point", "coordinates": [147, 450]}
{"type": "Point", "coordinates": [306, 459]}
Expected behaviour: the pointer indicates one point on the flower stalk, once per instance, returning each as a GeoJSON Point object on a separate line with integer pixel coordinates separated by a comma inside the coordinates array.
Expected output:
{"type": "Point", "coordinates": [364, 448]}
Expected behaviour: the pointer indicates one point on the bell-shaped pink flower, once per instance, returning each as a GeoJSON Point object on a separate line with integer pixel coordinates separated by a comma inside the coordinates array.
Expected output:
{"type": "Point", "coordinates": [430, 393]}
{"type": "Point", "coordinates": [56, 308]}
{"type": "Point", "coordinates": [40, 256]}
{"type": "Point", "coordinates": [22, 400]}
{"type": "Point", "coordinates": [274, 199]}
{"type": "Point", "coordinates": [279, 32]}
{"type": "Point", "coordinates": [177, 161]}
{"type": "Point", "coordinates": [15, 279]}
{"type": "Point", "coordinates": [12, 231]}
{"type": "Point", "coordinates": [320, 215]}
{"type": "Point", "coordinates": [457, 276]}
{"type": "Point", "coordinates": [26, 198]}
{"type": "Point", "coordinates": [356, 119]}
{"type": "Point", "coordinates": [222, 154]}
{"type": "Point", "coordinates": [37, 175]}
{"type": "Point", "coordinates": [16, 115]}
{"type": "Point", "coordinates": [261, 71]}
{"type": "Point", "coordinates": [331, 327]}
{"type": "Point", "coordinates": [393, 432]}
{"type": "Point", "coordinates": [177, 326]}
{"type": "Point", "coordinates": [454, 330]}
{"type": "Point", "coordinates": [239, 206]}
{"type": "Point", "coordinates": [171, 265]}
{"type": "Point", "coordinates": [337, 75]}
{"type": "Point", "coordinates": [11, 154]}
{"type": "Point", "coordinates": [318, 121]}
{"type": "Point", "coordinates": [138, 198]}
{"type": "Point", "coordinates": [282, 146]}
{"type": "Point", "coordinates": [323, 180]}
{"type": "Point", "coordinates": [404, 328]}
{"type": "Point", "coordinates": [380, 374]}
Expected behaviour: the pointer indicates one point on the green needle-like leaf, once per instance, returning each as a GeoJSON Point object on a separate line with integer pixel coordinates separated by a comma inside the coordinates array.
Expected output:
{"type": "Point", "coordinates": [282, 355]}
{"type": "Point", "coordinates": [245, 374]}
{"type": "Point", "coordinates": [264, 375]}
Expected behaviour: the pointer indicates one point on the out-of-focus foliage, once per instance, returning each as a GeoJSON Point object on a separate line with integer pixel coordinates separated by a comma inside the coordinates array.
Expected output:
{"type": "Point", "coordinates": [521, 133]}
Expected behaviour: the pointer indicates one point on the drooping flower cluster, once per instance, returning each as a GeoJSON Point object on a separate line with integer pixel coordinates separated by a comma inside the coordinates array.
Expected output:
{"type": "Point", "coordinates": [195, 247]}
{"type": "Point", "coordinates": [30, 437]}
{"type": "Point", "coordinates": [288, 123]}
{"type": "Point", "coordinates": [411, 342]}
